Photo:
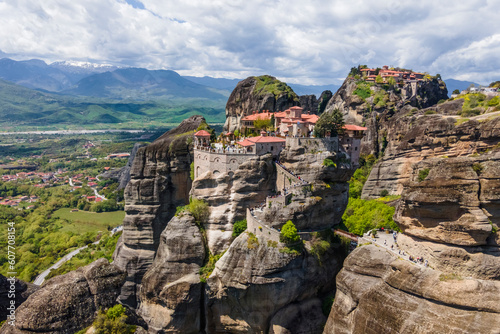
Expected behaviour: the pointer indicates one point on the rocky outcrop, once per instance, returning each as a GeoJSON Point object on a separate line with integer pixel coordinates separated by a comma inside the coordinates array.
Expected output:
{"type": "Point", "coordinates": [455, 203]}
{"type": "Point", "coordinates": [309, 103]}
{"type": "Point", "coordinates": [256, 288]}
{"type": "Point", "coordinates": [323, 101]}
{"type": "Point", "coordinates": [409, 139]}
{"type": "Point", "coordinates": [257, 94]}
{"type": "Point", "coordinates": [171, 292]}
{"type": "Point", "coordinates": [68, 303]}
{"type": "Point", "coordinates": [449, 214]}
{"type": "Point", "coordinates": [230, 195]}
{"type": "Point", "coordinates": [377, 292]}
{"type": "Point", "coordinates": [160, 182]}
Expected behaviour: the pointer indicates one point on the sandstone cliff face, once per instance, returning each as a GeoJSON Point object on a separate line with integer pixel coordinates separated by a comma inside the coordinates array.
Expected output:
{"type": "Point", "coordinates": [309, 103]}
{"type": "Point", "coordinates": [159, 183]}
{"type": "Point", "coordinates": [171, 292]}
{"type": "Point", "coordinates": [450, 218]}
{"type": "Point", "coordinates": [247, 97]}
{"type": "Point", "coordinates": [412, 138]}
{"type": "Point", "coordinates": [253, 287]}
{"type": "Point", "coordinates": [229, 197]}
{"type": "Point", "coordinates": [455, 203]}
{"type": "Point", "coordinates": [379, 293]}
{"type": "Point", "coordinates": [68, 303]}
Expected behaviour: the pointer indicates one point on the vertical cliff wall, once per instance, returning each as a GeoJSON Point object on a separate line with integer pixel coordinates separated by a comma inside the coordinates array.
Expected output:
{"type": "Point", "coordinates": [160, 182]}
{"type": "Point", "coordinates": [449, 216]}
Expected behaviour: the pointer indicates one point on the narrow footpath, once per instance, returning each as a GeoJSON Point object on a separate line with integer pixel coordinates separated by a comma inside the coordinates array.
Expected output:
{"type": "Point", "coordinates": [389, 242]}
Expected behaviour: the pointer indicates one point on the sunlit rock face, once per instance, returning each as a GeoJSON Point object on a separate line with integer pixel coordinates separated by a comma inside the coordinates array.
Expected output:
{"type": "Point", "coordinates": [160, 182]}
{"type": "Point", "coordinates": [449, 214]}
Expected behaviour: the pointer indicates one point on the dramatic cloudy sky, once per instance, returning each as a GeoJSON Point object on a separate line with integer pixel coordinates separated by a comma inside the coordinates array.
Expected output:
{"type": "Point", "coordinates": [300, 41]}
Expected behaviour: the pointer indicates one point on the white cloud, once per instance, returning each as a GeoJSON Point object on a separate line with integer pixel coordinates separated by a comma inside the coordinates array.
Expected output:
{"type": "Point", "coordinates": [313, 42]}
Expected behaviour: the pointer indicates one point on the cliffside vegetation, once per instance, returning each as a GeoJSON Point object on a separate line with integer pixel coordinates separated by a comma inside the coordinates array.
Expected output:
{"type": "Point", "coordinates": [329, 123]}
{"type": "Point", "coordinates": [477, 104]}
{"type": "Point", "coordinates": [111, 321]}
{"type": "Point", "coordinates": [268, 84]}
{"type": "Point", "coordinates": [361, 215]}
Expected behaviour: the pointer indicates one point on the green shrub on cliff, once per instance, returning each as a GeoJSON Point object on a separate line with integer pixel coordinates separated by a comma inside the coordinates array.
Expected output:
{"type": "Point", "coordinates": [113, 321]}
{"type": "Point", "coordinates": [363, 90]}
{"type": "Point", "coordinates": [361, 216]}
{"type": "Point", "coordinates": [422, 174]}
{"type": "Point", "coordinates": [288, 234]}
{"type": "Point", "coordinates": [360, 175]}
{"type": "Point", "coordinates": [198, 208]}
{"type": "Point", "coordinates": [239, 227]}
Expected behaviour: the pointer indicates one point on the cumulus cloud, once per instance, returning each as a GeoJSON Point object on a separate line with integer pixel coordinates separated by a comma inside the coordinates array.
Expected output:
{"type": "Point", "coordinates": [312, 43]}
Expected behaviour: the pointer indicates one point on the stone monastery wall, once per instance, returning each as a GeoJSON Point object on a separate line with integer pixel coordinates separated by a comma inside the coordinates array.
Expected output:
{"type": "Point", "coordinates": [261, 230]}
{"type": "Point", "coordinates": [217, 162]}
{"type": "Point", "coordinates": [313, 145]}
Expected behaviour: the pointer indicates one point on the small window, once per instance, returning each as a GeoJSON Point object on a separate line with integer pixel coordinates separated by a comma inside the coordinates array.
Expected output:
{"type": "Point", "coordinates": [272, 148]}
{"type": "Point", "coordinates": [356, 148]}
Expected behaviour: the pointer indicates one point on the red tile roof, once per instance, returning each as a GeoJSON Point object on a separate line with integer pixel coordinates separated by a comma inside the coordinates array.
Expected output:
{"type": "Point", "coordinates": [260, 139]}
{"type": "Point", "coordinates": [202, 133]}
{"type": "Point", "coordinates": [254, 117]}
{"type": "Point", "coordinates": [245, 143]}
{"type": "Point", "coordinates": [353, 127]}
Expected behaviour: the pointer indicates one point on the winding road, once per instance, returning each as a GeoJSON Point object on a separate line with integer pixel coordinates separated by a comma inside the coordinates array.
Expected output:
{"type": "Point", "coordinates": [41, 278]}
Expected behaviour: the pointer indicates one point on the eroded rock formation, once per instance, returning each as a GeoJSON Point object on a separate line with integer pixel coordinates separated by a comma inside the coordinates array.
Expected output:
{"type": "Point", "coordinates": [171, 292]}
{"type": "Point", "coordinates": [412, 138]}
{"type": "Point", "coordinates": [160, 182]}
{"type": "Point", "coordinates": [377, 292]}
{"type": "Point", "coordinates": [253, 287]}
{"type": "Point", "coordinates": [449, 218]}
{"type": "Point", "coordinates": [257, 94]}
{"type": "Point", "coordinates": [230, 196]}
{"type": "Point", "coordinates": [69, 303]}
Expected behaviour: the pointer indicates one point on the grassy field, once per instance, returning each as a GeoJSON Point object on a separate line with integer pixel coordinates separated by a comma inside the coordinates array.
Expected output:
{"type": "Point", "coordinates": [83, 221]}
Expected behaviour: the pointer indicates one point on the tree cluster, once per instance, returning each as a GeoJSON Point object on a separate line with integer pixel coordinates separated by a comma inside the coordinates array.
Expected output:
{"type": "Point", "coordinates": [329, 124]}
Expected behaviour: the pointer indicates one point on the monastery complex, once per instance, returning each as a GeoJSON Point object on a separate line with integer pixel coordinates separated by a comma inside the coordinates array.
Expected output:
{"type": "Point", "coordinates": [293, 127]}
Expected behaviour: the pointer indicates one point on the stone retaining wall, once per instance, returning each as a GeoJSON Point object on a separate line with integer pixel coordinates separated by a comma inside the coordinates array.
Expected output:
{"type": "Point", "coordinates": [261, 230]}
{"type": "Point", "coordinates": [313, 145]}
{"type": "Point", "coordinates": [217, 162]}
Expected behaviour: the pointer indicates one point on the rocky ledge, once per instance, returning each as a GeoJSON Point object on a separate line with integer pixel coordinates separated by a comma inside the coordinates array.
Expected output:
{"type": "Point", "coordinates": [449, 214]}
{"type": "Point", "coordinates": [377, 292]}
{"type": "Point", "coordinates": [68, 303]}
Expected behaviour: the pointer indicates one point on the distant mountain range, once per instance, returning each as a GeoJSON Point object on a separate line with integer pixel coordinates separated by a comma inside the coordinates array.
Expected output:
{"type": "Point", "coordinates": [81, 93]}
{"type": "Point", "coordinates": [453, 84]}
{"type": "Point", "coordinates": [143, 85]}
{"type": "Point", "coordinates": [22, 107]}
{"type": "Point", "coordinates": [102, 80]}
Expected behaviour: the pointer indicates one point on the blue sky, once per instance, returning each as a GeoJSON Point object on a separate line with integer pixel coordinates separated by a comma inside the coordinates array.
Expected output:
{"type": "Point", "coordinates": [309, 42]}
